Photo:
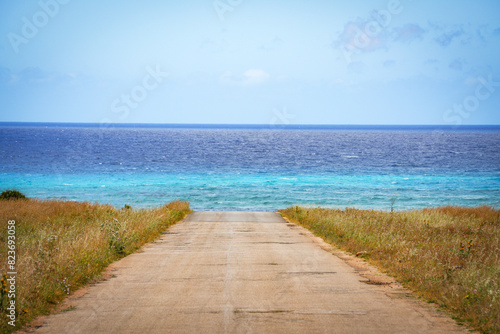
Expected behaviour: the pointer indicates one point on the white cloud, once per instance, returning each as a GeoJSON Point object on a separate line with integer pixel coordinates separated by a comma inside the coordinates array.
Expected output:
{"type": "Point", "coordinates": [255, 76]}
{"type": "Point", "coordinates": [249, 78]}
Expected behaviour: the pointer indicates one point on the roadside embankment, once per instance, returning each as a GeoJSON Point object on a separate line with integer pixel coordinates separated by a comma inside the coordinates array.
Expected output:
{"type": "Point", "coordinates": [61, 246]}
{"type": "Point", "coordinates": [448, 255]}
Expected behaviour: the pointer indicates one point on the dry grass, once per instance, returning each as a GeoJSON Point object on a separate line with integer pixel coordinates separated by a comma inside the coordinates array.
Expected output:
{"type": "Point", "coordinates": [61, 246]}
{"type": "Point", "coordinates": [448, 255]}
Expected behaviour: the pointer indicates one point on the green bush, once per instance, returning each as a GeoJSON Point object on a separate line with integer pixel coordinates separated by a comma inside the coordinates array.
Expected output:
{"type": "Point", "coordinates": [12, 194]}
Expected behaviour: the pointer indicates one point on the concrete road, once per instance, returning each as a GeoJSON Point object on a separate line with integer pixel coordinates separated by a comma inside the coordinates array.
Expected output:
{"type": "Point", "coordinates": [240, 272]}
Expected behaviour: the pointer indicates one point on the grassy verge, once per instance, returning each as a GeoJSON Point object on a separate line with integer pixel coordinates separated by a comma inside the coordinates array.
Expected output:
{"type": "Point", "coordinates": [448, 255]}
{"type": "Point", "coordinates": [61, 246]}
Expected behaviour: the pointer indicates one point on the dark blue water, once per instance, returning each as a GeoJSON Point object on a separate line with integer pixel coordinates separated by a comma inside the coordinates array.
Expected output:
{"type": "Point", "coordinates": [254, 168]}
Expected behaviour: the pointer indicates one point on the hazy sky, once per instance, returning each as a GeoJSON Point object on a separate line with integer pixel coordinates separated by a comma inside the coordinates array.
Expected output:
{"type": "Point", "coordinates": [251, 61]}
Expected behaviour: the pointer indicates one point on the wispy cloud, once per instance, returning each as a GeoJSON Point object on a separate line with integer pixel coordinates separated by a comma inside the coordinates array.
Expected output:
{"type": "Point", "coordinates": [457, 64]}
{"type": "Point", "coordinates": [431, 61]}
{"type": "Point", "coordinates": [389, 63]}
{"type": "Point", "coordinates": [249, 78]}
{"type": "Point", "coordinates": [462, 33]}
{"type": "Point", "coordinates": [408, 33]}
{"type": "Point", "coordinates": [432, 64]}
{"type": "Point", "coordinates": [354, 36]}
{"type": "Point", "coordinates": [36, 76]}
{"type": "Point", "coordinates": [255, 76]}
{"type": "Point", "coordinates": [446, 38]}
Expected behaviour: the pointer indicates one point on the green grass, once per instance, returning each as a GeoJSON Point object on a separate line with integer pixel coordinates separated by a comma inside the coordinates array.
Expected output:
{"type": "Point", "coordinates": [61, 246]}
{"type": "Point", "coordinates": [449, 256]}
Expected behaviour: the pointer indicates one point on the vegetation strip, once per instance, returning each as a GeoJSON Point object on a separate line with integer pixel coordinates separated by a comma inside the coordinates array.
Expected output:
{"type": "Point", "coordinates": [448, 255]}
{"type": "Point", "coordinates": [61, 246]}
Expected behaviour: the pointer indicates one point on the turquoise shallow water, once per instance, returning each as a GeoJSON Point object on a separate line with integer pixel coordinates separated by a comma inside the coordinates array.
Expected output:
{"type": "Point", "coordinates": [254, 169]}
{"type": "Point", "coordinates": [262, 192]}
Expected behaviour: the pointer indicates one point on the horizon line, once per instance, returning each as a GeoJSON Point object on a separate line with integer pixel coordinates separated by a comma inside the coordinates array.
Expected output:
{"type": "Point", "coordinates": [252, 125]}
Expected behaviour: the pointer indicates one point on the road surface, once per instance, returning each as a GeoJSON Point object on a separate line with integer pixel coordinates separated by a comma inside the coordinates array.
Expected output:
{"type": "Point", "coordinates": [240, 272]}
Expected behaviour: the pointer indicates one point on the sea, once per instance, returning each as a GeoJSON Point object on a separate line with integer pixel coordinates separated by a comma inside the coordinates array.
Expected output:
{"type": "Point", "coordinates": [253, 167]}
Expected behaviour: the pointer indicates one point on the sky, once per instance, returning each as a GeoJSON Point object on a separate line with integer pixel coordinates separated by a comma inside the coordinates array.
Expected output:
{"type": "Point", "coordinates": [250, 61]}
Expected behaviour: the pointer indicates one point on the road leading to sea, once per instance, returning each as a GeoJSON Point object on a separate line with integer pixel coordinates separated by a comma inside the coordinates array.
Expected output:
{"type": "Point", "coordinates": [240, 272]}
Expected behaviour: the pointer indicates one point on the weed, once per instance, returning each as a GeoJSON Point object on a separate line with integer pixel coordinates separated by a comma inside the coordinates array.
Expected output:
{"type": "Point", "coordinates": [425, 250]}
{"type": "Point", "coordinates": [62, 246]}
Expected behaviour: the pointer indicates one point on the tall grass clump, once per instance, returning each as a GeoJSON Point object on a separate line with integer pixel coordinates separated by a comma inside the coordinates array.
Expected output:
{"type": "Point", "coordinates": [447, 255]}
{"type": "Point", "coordinates": [11, 194]}
{"type": "Point", "coordinates": [61, 246]}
